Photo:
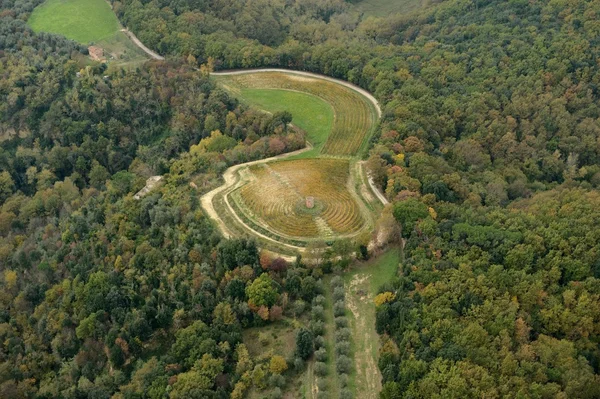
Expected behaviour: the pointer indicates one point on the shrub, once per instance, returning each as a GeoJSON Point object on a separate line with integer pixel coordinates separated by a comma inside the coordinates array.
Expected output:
{"type": "Point", "coordinates": [277, 380]}
{"type": "Point", "coordinates": [320, 369]}
{"type": "Point", "coordinates": [337, 282]}
{"type": "Point", "coordinates": [321, 355]}
{"type": "Point", "coordinates": [276, 394]}
{"type": "Point", "coordinates": [339, 293]}
{"type": "Point", "coordinates": [299, 307]}
{"type": "Point", "coordinates": [275, 313]}
{"type": "Point", "coordinates": [322, 384]}
{"type": "Point", "coordinates": [342, 348]}
{"type": "Point", "coordinates": [317, 313]}
{"type": "Point", "coordinates": [317, 327]}
{"type": "Point", "coordinates": [319, 300]}
{"type": "Point", "coordinates": [322, 395]}
{"type": "Point", "coordinates": [341, 322]}
{"type": "Point", "coordinates": [343, 334]}
{"type": "Point", "coordinates": [263, 338]}
{"type": "Point", "coordinates": [319, 342]}
{"type": "Point", "coordinates": [278, 364]}
{"type": "Point", "coordinates": [343, 380]}
{"type": "Point", "coordinates": [339, 309]}
{"type": "Point", "coordinates": [343, 364]}
{"type": "Point", "coordinates": [346, 394]}
{"type": "Point", "coordinates": [304, 343]}
{"type": "Point", "coordinates": [298, 364]}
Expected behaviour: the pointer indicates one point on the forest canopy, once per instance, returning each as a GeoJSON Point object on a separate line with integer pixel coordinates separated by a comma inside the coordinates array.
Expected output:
{"type": "Point", "coordinates": [488, 150]}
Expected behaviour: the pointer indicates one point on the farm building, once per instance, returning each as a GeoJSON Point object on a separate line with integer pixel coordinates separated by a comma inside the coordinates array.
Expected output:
{"type": "Point", "coordinates": [96, 53]}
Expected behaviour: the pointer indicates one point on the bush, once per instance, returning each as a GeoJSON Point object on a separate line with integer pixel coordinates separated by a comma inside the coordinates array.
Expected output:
{"type": "Point", "coordinates": [343, 380]}
{"type": "Point", "coordinates": [341, 322]}
{"type": "Point", "coordinates": [320, 369]}
{"type": "Point", "coordinates": [299, 307]}
{"type": "Point", "coordinates": [346, 394]}
{"type": "Point", "coordinates": [322, 395]}
{"type": "Point", "coordinates": [342, 348]}
{"type": "Point", "coordinates": [276, 394]}
{"type": "Point", "coordinates": [304, 343]}
{"type": "Point", "coordinates": [343, 334]}
{"type": "Point", "coordinates": [298, 364]}
{"type": "Point", "coordinates": [319, 300]}
{"type": "Point", "coordinates": [339, 293]}
{"type": "Point", "coordinates": [317, 313]}
{"type": "Point", "coordinates": [337, 282]}
{"type": "Point", "coordinates": [263, 338]}
{"type": "Point", "coordinates": [321, 355]}
{"type": "Point", "coordinates": [277, 380]}
{"type": "Point", "coordinates": [339, 309]}
{"type": "Point", "coordinates": [322, 384]}
{"type": "Point", "coordinates": [319, 342]}
{"type": "Point", "coordinates": [343, 364]}
{"type": "Point", "coordinates": [317, 327]}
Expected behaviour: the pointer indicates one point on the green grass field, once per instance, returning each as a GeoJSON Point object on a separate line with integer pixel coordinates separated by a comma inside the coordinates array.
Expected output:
{"type": "Point", "coordinates": [310, 113]}
{"type": "Point", "coordinates": [382, 8]}
{"type": "Point", "coordinates": [84, 21]}
{"type": "Point", "coordinates": [362, 284]}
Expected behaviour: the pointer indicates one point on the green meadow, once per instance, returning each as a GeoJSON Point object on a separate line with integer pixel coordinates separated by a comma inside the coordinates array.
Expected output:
{"type": "Point", "coordinates": [310, 113]}
{"type": "Point", "coordinates": [84, 21]}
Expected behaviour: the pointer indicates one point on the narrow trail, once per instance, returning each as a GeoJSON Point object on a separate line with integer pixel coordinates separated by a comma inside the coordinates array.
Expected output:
{"type": "Point", "coordinates": [141, 45]}
{"type": "Point", "coordinates": [357, 297]}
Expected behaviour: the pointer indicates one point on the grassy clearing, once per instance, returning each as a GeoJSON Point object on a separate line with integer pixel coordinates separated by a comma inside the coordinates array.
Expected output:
{"type": "Point", "coordinates": [87, 22]}
{"type": "Point", "coordinates": [311, 113]}
{"type": "Point", "coordinates": [123, 51]}
{"type": "Point", "coordinates": [362, 284]}
{"type": "Point", "coordinates": [278, 338]}
{"type": "Point", "coordinates": [382, 8]}
{"type": "Point", "coordinates": [354, 115]}
{"type": "Point", "coordinates": [84, 21]}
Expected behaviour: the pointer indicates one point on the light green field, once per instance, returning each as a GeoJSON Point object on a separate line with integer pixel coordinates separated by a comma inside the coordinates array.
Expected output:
{"type": "Point", "coordinates": [382, 8]}
{"type": "Point", "coordinates": [84, 21]}
{"type": "Point", "coordinates": [310, 113]}
{"type": "Point", "coordinates": [123, 51]}
{"type": "Point", "coordinates": [361, 287]}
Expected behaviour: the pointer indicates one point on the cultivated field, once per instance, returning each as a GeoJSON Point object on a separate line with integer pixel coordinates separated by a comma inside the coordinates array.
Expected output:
{"type": "Point", "coordinates": [276, 195]}
{"type": "Point", "coordinates": [266, 200]}
{"type": "Point", "coordinates": [354, 116]}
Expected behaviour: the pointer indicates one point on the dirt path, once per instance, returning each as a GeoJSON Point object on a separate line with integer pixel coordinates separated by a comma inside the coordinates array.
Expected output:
{"type": "Point", "coordinates": [230, 179]}
{"type": "Point", "coordinates": [359, 301]}
{"type": "Point", "coordinates": [378, 193]}
{"type": "Point", "coordinates": [141, 45]}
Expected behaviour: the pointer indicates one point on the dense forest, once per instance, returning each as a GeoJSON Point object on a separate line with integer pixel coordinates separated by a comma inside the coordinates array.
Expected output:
{"type": "Point", "coordinates": [488, 149]}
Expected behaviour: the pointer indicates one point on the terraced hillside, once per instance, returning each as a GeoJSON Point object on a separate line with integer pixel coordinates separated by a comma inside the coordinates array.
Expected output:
{"type": "Point", "coordinates": [354, 116]}
{"type": "Point", "coordinates": [269, 199]}
{"type": "Point", "coordinates": [277, 192]}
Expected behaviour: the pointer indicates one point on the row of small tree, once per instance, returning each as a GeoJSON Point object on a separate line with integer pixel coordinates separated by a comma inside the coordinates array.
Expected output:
{"type": "Point", "coordinates": [318, 328]}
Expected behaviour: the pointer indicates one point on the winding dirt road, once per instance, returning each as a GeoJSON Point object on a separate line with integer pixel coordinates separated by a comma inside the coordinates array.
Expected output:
{"type": "Point", "coordinates": [141, 45]}
{"type": "Point", "coordinates": [230, 179]}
